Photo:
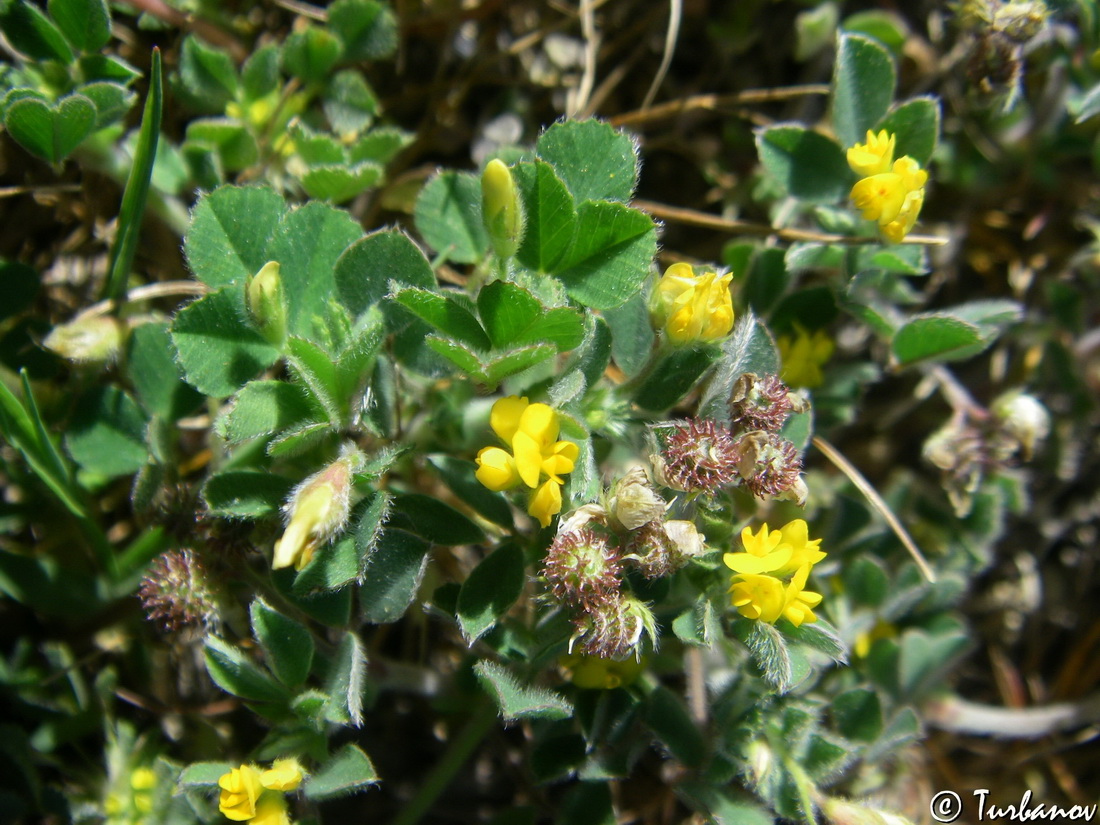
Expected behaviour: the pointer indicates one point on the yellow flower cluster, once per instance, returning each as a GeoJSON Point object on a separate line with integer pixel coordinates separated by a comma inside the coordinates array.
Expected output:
{"type": "Point", "coordinates": [132, 807]}
{"type": "Point", "coordinates": [692, 307]}
{"type": "Point", "coordinates": [249, 794]}
{"type": "Point", "coordinates": [537, 459]}
{"type": "Point", "coordinates": [803, 356]}
{"type": "Point", "coordinates": [761, 588]}
{"type": "Point", "coordinates": [889, 191]}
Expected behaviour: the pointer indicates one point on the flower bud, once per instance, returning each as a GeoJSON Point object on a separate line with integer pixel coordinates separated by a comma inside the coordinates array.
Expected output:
{"type": "Point", "coordinates": [501, 209]}
{"type": "Point", "coordinates": [93, 340]}
{"type": "Point", "coordinates": [316, 511]}
{"type": "Point", "coordinates": [634, 502]}
{"type": "Point", "coordinates": [583, 567]}
{"type": "Point", "coordinates": [761, 759]}
{"type": "Point", "coordinates": [613, 628]}
{"type": "Point", "coordinates": [690, 307]}
{"type": "Point", "coordinates": [240, 788]}
{"type": "Point", "coordinates": [283, 775]}
{"type": "Point", "coordinates": [699, 456]}
{"type": "Point", "coordinates": [267, 303]}
{"type": "Point", "coordinates": [1023, 417]}
{"type": "Point", "coordinates": [178, 593]}
{"type": "Point", "coordinates": [768, 465]}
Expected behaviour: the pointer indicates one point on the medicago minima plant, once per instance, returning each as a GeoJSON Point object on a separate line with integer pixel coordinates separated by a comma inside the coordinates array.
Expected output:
{"type": "Point", "coordinates": [510, 469]}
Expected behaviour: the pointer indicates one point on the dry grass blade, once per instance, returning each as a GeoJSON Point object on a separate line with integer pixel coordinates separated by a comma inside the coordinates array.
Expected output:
{"type": "Point", "coordinates": [876, 501]}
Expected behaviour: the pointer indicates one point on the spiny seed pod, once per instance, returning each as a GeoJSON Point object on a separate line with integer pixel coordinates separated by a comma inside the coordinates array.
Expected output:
{"type": "Point", "coordinates": [267, 303]}
{"type": "Point", "coordinates": [762, 402]}
{"type": "Point", "coordinates": [613, 629]}
{"type": "Point", "coordinates": [177, 593]}
{"type": "Point", "coordinates": [583, 567]}
{"type": "Point", "coordinates": [94, 340]}
{"type": "Point", "coordinates": [661, 548]}
{"type": "Point", "coordinates": [699, 456]}
{"type": "Point", "coordinates": [768, 465]}
{"type": "Point", "coordinates": [634, 502]}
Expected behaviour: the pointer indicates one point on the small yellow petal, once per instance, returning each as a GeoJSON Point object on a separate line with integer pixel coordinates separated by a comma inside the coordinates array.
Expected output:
{"type": "Point", "coordinates": [496, 469]}
{"type": "Point", "coordinates": [528, 458]}
{"type": "Point", "coordinates": [505, 416]}
{"type": "Point", "coordinates": [546, 502]}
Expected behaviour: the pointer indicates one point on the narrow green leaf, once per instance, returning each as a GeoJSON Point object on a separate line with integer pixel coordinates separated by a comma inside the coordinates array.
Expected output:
{"type": "Point", "coordinates": [448, 216]}
{"type": "Point", "coordinates": [245, 493]}
{"type": "Point", "coordinates": [673, 377]}
{"type": "Point", "coordinates": [808, 165]}
{"type": "Point", "coordinates": [348, 771]}
{"type": "Point", "coordinates": [459, 355]}
{"type": "Point", "coordinates": [769, 651]}
{"type": "Point", "coordinates": [491, 588]}
{"type": "Point", "coordinates": [444, 314]}
{"type": "Point", "coordinates": [863, 87]}
{"type": "Point", "coordinates": [595, 161]}
{"type": "Point", "coordinates": [516, 701]}
{"type": "Point", "coordinates": [550, 216]}
{"type": "Point", "coordinates": [820, 636]}
{"type": "Point", "coordinates": [337, 565]}
{"type": "Point", "coordinates": [610, 259]}
{"type": "Point", "coordinates": [631, 334]}
{"type": "Point", "coordinates": [219, 349]}
{"type": "Point", "coordinates": [86, 23]}
{"type": "Point", "coordinates": [286, 643]}
{"type": "Point", "coordinates": [392, 576]}
{"type": "Point", "coordinates": [229, 234]}
{"type": "Point", "coordinates": [235, 673]}
{"type": "Point", "coordinates": [515, 361]}
{"type": "Point", "coordinates": [346, 681]}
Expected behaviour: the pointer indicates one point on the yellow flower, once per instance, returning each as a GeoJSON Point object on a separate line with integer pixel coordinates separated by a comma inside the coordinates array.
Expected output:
{"type": "Point", "coordinates": [271, 810]}
{"type": "Point", "coordinates": [240, 788]}
{"type": "Point", "coordinates": [693, 307]}
{"type": "Point", "coordinates": [893, 198]}
{"type": "Point", "coordinates": [803, 357]}
{"type": "Point", "coordinates": [767, 598]}
{"type": "Point", "coordinates": [764, 552]}
{"type": "Point", "coordinates": [873, 157]}
{"type": "Point", "coordinates": [804, 552]}
{"type": "Point", "coordinates": [600, 673]}
{"type": "Point", "coordinates": [531, 430]}
{"type": "Point", "coordinates": [283, 775]}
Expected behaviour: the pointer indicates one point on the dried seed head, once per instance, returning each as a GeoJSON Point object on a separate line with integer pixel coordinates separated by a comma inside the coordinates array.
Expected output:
{"type": "Point", "coordinates": [582, 567]}
{"type": "Point", "coordinates": [613, 629]}
{"type": "Point", "coordinates": [634, 502]}
{"type": "Point", "coordinates": [660, 549]}
{"type": "Point", "coordinates": [768, 465]}
{"type": "Point", "coordinates": [177, 593]}
{"type": "Point", "coordinates": [762, 402]}
{"type": "Point", "coordinates": [699, 456]}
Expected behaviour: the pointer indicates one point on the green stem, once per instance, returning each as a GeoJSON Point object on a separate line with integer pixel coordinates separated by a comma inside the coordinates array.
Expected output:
{"type": "Point", "coordinates": [458, 752]}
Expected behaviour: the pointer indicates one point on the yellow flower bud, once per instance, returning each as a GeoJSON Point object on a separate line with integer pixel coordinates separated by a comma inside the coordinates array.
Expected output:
{"type": "Point", "coordinates": [496, 469]}
{"type": "Point", "coordinates": [240, 788]}
{"type": "Point", "coordinates": [267, 303]}
{"type": "Point", "coordinates": [318, 510]}
{"type": "Point", "coordinates": [546, 502]}
{"type": "Point", "coordinates": [692, 307]}
{"type": "Point", "coordinates": [501, 209]}
{"type": "Point", "coordinates": [283, 775]}
{"type": "Point", "coordinates": [97, 339]}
